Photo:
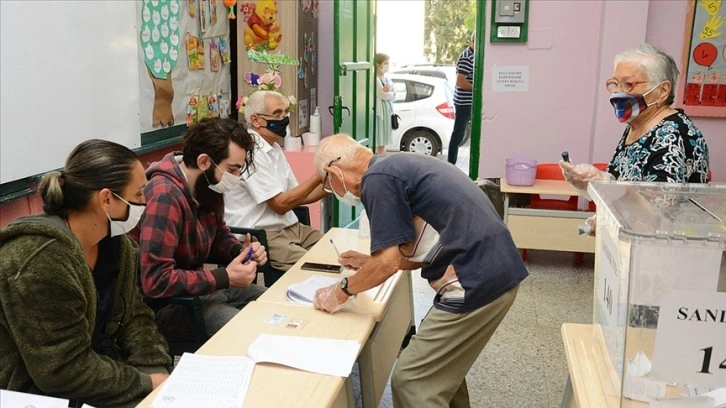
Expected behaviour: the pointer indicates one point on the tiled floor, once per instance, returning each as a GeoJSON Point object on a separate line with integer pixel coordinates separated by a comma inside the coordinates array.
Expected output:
{"type": "Point", "coordinates": [524, 365]}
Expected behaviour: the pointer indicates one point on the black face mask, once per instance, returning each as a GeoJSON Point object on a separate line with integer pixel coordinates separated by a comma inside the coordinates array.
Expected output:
{"type": "Point", "coordinates": [278, 127]}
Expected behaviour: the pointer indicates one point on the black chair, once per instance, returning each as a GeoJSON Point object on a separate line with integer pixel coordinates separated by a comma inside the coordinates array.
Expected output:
{"type": "Point", "coordinates": [193, 331]}
{"type": "Point", "coordinates": [270, 273]}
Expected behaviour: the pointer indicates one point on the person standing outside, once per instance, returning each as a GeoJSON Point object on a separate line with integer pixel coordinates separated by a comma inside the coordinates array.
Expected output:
{"type": "Point", "coordinates": [184, 224]}
{"type": "Point", "coordinates": [462, 99]}
{"type": "Point", "coordinates": [475, 268]}
{"type": "Point", "coordinates": [384, 104]}
{"type": "Point", "coordinates": [265, 198]}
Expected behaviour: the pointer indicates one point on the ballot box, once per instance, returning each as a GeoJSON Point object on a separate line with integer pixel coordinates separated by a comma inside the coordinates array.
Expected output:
{"type": "Point", "coordinates": [659, 312]}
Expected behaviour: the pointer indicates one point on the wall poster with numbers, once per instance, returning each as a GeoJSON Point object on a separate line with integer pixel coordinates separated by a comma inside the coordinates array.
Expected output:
{"type": "Point", "coordinates": [704, 59]}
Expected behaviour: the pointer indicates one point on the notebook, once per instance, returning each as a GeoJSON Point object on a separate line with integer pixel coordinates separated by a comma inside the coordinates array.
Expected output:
{"type": "Point", "coordinates": [304, 292]}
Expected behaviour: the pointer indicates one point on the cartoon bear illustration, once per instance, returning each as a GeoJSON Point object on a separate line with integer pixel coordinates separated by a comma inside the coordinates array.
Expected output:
{"type": "Point", "coordinates": [263, 29]}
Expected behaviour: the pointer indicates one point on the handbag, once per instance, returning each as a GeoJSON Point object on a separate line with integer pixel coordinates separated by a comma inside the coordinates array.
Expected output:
{"type": "Point", "coordinates": [394, 121]}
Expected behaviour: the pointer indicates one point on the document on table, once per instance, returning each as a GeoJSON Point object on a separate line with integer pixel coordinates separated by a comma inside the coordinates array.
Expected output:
{"type": "Point", "coordinates": [15, 399]}
{"type": "Point", "coordinates": [206, 381]}
{"type": "Point", "coordinates": [323, 356]}
{"type": "Point", "coordinates": [304, 292]}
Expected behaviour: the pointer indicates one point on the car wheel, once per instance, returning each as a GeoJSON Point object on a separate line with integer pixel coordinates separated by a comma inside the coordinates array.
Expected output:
{"type": "Point", "coordinates": [422, 142]}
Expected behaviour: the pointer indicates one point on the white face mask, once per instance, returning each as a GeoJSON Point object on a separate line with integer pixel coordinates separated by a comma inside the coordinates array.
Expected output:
{"type": "Point", "coordinates": [228, 182]}
{"type": "Point", "coordinates": [348, 198]}
{"type": "Point", "coordinates": [120, 227]}
{"type": "Point", "coordinates": [384, 68]}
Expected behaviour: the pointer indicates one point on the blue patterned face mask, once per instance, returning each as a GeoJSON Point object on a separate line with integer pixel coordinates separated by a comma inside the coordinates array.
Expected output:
{"type": "Point", "coordinates": [629, 106]}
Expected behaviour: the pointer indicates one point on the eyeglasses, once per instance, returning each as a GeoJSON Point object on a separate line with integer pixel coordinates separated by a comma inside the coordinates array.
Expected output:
{"type": "Point", "coordinates": [625, 86]}
{"type": "Point", "coordinates": [326, 187]}
{"type": "Point", "coordinates": [276, 116]}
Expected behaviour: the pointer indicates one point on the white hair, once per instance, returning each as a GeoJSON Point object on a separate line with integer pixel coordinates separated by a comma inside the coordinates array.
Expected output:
{"type": "Point", "coordinates": [340, 147]}
{"type": "Point", "coordinates": [658, 65]}
{"type": "Point", "coordinates": [256, 103]}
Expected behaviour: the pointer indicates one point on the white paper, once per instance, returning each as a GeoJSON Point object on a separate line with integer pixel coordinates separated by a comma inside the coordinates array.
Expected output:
{"type": "Point", "coordinates": [304, 292]}
{"type": "Point", "coordinates": [200, 381]}
{"type": "Point", "coordinates": [14, 399]}
{"type": "Point", "coordinates": [510, 78]}
{"type": "Point", "coordinates": [689, 346]}
{"type": "Point", "coordinates": [323, 356]}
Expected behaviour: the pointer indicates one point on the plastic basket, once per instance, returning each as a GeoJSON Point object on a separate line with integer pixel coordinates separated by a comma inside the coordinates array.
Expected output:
{"type": "Point", "coordinates": [521, 171]}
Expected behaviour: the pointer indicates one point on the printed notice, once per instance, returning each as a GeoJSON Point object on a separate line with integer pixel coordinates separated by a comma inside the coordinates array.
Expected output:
{"type": "Point", "coordinates": [689, 346]}
{"type": "Point", "coordinates": [510, 79]}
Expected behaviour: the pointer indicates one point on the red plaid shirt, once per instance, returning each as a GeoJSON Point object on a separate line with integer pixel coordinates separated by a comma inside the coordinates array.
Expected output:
{"type": "Point", "coordinates": [175, 238]}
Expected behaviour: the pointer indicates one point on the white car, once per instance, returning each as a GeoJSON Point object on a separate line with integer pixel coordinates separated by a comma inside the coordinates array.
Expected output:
{"type": "Point", "coordinates": [426, 108]}
{"type": "Point", "coordinates": [445, 71]}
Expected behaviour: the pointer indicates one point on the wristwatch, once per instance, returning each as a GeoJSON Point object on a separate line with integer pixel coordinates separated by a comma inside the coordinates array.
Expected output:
{"type": "Point", "coordinates": [344, 286]}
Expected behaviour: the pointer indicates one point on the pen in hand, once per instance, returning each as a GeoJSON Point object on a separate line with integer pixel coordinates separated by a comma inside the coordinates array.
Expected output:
{"type": "Point", "coordinates": [249, 254]}
{"type": "Point", "coordinates": [335, 248]}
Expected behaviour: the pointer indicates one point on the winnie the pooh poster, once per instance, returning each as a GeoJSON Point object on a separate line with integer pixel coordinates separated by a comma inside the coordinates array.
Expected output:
{"type": "Point", "coordinates": [262, 29]}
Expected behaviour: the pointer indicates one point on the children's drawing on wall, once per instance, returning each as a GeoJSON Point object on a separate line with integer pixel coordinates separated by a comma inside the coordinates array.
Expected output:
{"type": "Point", "coordinates": [262, 29]}
{"type": "Point", "coordinates": [705, 75]}
{"type": "Point", "coordinates": [195, 52]}
{"type": "Point", "coordinates": [169, 29]}
{"type": "Point", "coordinates": [159, 38]}
{"type": "Point", "coordinates": [230, 5]}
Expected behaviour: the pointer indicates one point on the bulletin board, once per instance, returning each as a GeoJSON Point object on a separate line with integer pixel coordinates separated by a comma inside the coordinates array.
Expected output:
{"type": "Point", "coordinates": [704, 59]}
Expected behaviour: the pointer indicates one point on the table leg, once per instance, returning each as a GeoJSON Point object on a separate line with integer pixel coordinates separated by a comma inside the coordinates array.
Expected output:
{"type": "Point", "coordinates": [567, 395]}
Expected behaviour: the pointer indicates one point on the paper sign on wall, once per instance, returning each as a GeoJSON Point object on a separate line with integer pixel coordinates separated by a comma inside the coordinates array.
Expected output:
{"type": "Point", "coordinates": [510, 79]}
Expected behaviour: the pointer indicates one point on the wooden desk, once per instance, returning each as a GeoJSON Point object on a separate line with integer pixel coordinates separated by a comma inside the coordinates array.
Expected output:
{"type": "Point", "coordinates": [555, 230]}
{"type": "Point", "coordinates": [593, 381]}
{"type": "Point", "coordinates": [391, 307]}
{"type": "Point", "coordinates": [279, 386]}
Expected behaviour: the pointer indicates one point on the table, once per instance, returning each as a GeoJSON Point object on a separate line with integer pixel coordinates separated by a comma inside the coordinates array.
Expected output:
{"type": "Point", "coordinates": [390, 306]}
{"type": "Point", "coordinates": [593, 381]}
{"type": "Point", "coordinates": [280, 386]}
{"type": "Point", "coordinates": [555, 230]}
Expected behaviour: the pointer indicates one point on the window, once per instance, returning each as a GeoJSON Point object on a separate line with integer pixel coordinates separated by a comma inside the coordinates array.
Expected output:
{"type": "Point", "coordinates": [410, 91]}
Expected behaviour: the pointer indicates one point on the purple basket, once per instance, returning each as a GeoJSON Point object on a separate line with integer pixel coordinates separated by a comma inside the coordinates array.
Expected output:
{"type": "Point", "coordinates": [521, 171]}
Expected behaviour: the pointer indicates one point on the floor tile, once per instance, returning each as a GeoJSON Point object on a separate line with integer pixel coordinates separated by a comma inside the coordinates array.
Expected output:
{"type": "Point", "coordinates": [524, 364]}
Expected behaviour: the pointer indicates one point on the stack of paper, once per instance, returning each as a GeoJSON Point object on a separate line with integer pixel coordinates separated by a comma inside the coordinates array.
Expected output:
{"type": "Point", "coordinates": [15, 399]}
{"type": "Point", "coordinates": [206, 381]}
{"type": "Point", "coordinates": [304, 292]}
{"type": "Point", "coordinates": [200, 381]}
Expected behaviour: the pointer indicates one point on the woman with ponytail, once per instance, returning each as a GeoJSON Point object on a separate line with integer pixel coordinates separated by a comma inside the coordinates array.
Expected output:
{"type": "Point", "coordinates": [72, 321]}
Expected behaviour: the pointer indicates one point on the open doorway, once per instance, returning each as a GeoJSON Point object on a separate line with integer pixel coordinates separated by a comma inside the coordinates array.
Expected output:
{"type": "Point", "coordinates": [429, 47]}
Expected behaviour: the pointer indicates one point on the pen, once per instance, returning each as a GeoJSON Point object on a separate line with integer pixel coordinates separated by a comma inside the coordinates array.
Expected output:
{"type": "Point", "coordinates": [249, 255]}
{"type": "Point", "coordinates": [697, 204]}
{"type": "Point", "coordinates": [335, 248]}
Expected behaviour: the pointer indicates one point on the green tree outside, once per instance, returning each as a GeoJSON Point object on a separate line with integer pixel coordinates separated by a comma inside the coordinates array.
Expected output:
{"type": "Point", "coordinates": [448, 25]}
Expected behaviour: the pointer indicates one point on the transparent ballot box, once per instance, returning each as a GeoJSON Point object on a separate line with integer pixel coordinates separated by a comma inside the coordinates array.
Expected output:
{"type": "Point", "coordinates": [659, 308]}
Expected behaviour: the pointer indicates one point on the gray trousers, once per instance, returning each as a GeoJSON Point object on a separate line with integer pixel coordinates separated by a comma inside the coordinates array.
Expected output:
{"type": "Point", "coordinates": [174, 321]}
{"type": "Point", "coordinates": [431, 370]}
